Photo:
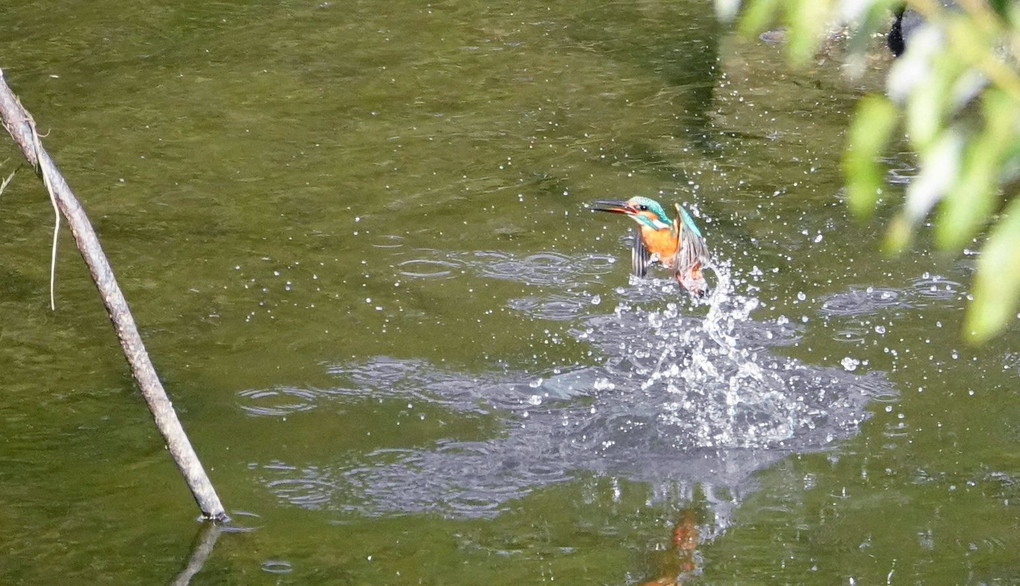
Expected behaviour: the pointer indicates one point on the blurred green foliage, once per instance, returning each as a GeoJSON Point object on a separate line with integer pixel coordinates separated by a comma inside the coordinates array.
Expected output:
{"type": "Point", "coordinates": [954, 95]}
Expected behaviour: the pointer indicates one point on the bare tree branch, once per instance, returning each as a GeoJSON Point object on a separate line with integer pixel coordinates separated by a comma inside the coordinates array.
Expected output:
{"type": "Point", "coordinates": [21, 126]}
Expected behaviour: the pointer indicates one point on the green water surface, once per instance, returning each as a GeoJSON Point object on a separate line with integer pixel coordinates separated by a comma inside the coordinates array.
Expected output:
{"type": "Point", "coordinates": [300, 197]}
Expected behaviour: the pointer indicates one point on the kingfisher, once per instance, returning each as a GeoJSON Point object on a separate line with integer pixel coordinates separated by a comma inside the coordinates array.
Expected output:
{"type": "Point", "coordinates": [677, 245]}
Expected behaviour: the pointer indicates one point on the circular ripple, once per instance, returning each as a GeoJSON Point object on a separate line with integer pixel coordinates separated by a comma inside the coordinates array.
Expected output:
{"type": "Point", "coordinates": [537, 269]}
{"type": "Point", "coordinates": [936, 288]}
{"type": "Point", "coordinates": [277, 567]}
{"type": "Point", "coordinates": [863, 301]}
{"type": "Point", "coordinates": [388, 241]}
{"type": "Point", "coordinates": [556, 307]}
{"type": "Point", "coordinates": [307, 493]}
{"type": "Point", "coordinates": [277, 402]}
{"type": "Point", "coordinates": [428, 269]}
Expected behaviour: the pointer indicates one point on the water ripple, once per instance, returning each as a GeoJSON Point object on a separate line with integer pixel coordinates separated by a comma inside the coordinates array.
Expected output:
{"type": "Point", "coordinates": [547, 268]}
{"type": "Point", "coordinates": [863, 301]}
{"type": "Point", "coordinates": [307, 492]}
{"type": "Point", "coordinates": [537, 269]}
{"type": "Point", "coordinates": [276, 402]}
{"type": "Point", "coordinates": [277, 567]}
{"type": "Point", "coordinates": [936, 288]}
{"type": "Point", "coordinates": [678, 398]}
{"type": "Point", "coordinates": [428, 269]}
{"type": "Point", "coordinates": [388, 241]}
{"type": "Point", "coordinates": [554, 307]}
{"type": "Point", "coordinates": [541, 269]}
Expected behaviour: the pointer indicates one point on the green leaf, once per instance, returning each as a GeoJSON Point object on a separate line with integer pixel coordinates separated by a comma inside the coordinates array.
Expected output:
{"type": "Point", "coordinates": [898, 235]}
{"type": "Point", "coordinates": [940, 165]}
{"type": "Point", "coordinates": [928, 102]}
{"type": "Point", "coordinates": [972, 199]}
{"type": "Point", "coordinates": [873, 123]}
{"type": "Point", "coordinates": [726, 9]}
{"type": "Point", "coordinates": [808, 20]}
{"type": "Point", "coordinates": [997, 282]}
{"type": "Point", "coordinates": [867, 22]}
{"type": "Point", "coordinates": [758, 16]}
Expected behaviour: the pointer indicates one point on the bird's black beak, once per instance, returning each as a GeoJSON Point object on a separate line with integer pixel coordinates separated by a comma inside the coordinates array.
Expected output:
{"type": "Point", "coordinates": [615, 206]}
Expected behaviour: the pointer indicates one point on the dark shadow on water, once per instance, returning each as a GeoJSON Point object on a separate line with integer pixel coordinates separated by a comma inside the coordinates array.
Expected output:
{"type": "Point", "coordinates": [689, 394]}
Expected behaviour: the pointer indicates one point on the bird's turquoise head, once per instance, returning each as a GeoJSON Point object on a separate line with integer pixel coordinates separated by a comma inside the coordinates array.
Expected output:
{"type": "Point", "coordinates": [645, 211]}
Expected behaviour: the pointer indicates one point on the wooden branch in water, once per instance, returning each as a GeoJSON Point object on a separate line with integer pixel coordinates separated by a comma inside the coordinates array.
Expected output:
{"type": "Point", "coordinates": [201, 550]}
{"type": "Point", "coordinates": [21, 126]}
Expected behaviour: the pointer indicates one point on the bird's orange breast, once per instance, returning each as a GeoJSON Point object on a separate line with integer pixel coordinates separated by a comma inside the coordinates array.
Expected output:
{"type": "Point", "coordinates": [661, 242]}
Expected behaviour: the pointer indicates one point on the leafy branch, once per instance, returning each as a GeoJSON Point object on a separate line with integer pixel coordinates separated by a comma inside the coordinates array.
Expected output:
{"type": "Point", "coordinates": [955, 95]}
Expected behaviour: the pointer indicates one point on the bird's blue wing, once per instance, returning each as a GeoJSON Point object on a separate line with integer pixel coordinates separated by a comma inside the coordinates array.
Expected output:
{"type": "Point", "coordinates": [688, 221]}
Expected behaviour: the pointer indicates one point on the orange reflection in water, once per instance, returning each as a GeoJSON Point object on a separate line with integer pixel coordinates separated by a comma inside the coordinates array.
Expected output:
{"type": "Point", "coordinates": [682, 560]}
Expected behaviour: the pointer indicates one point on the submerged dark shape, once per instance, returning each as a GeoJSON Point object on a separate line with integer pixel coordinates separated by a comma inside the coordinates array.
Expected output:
{"type": "Point", "coordinates": [903, 27]}
{"type": "Point", "coordinates": [677, 244]}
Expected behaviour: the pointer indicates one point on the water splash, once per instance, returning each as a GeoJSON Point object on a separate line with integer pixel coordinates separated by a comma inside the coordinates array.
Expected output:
{"type": "Point", "coordinates": [685, 391]}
